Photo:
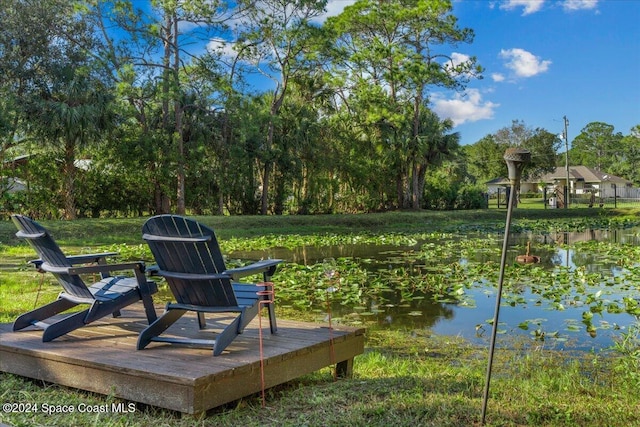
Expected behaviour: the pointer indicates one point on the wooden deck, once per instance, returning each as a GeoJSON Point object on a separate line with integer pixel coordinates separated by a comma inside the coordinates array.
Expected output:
{"type": "Point", "coordinates": [102, 358]}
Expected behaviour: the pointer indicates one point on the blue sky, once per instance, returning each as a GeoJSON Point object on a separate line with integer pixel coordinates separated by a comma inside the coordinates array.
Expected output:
{"type": "Point", "coordinates": [543, 60]}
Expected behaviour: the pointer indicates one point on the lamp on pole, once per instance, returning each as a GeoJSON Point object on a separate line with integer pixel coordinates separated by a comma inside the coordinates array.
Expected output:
{"type": "Point", "coordinates": [566, 144]}
{"type": "Point", "coordinates": [516, 158]}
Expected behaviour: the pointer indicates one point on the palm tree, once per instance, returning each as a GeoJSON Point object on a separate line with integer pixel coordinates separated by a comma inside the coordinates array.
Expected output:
{"type": "Point", "coordinates": [431, 144]}
{"type": "Point", "coordinates": [69, 114]}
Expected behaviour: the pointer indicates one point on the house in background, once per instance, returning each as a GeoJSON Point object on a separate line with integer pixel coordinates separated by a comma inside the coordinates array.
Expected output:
{"type": "Point", "coordinates": [11, 179]}
{"type": "Point", "coordinates": [582, 180]}
{"type": "Point", "coordinates": [12, 185]}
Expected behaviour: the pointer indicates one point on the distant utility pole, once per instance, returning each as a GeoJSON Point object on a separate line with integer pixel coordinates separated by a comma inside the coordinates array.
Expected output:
{"type": "Point", "coordinates": [566, 144]}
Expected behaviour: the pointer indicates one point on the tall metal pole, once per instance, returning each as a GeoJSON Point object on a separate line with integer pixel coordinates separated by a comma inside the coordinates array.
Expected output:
{"type": "Point", "coordinates": [516, 158]}
{"type": "Point", "coordinates": [566, 144]}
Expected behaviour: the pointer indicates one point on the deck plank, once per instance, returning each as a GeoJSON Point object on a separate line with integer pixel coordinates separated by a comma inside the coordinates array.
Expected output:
{"type": "Point", "coordinates": [102, 358]}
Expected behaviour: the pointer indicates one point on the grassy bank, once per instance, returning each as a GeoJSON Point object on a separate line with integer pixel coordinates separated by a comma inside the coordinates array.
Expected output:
{"type": "Point", "coordinates": [92, 232]}
{"type": "Point", "coordinates": [405, 378]}
{"type": "Point", "coordinates": [401, 380]}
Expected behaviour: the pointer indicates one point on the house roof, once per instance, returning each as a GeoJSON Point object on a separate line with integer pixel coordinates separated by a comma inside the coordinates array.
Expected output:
{"type": "Point", "coordinates": [13, 184]}
{"type": "Point", "coordinates": [582, 173]}
{"type": "Point", "coordinates": [18, 160]}
{"type": "Point", "coordinates": [497, 181]}
{"type": "Point", "coordinates": [576, 173]}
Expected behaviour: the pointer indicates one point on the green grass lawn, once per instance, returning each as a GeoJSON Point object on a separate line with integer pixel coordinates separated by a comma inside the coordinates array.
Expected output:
{"type": "Point", "coordinates": [405, 378]}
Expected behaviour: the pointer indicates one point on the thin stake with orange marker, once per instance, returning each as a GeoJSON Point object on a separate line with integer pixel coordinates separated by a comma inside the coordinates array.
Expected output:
{"type": "Point", "coordinates": [332, 274]}
{"type": "Point", "coordinates": [267, 296]}
{"type": "Point", "coordinates": [332, 352]}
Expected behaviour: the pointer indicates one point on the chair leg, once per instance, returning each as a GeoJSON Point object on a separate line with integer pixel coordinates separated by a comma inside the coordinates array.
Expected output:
{"type": "Point", "coordinates": [227, 335]}
{"type": "Point", "coordinates": [149, 309]}
{"type": "Point", "coordinates": [202, 322]}
{"type": "Point", "coordinates": [247, 315]}
{"type": "Point", "coordinates": [159, 326]}
{"type": "Point", "coordinates": [41, 313]}
{"type": "Point", "coordinates": [64, 326]}
{"type": "Point", "coordinates": [272, 317]}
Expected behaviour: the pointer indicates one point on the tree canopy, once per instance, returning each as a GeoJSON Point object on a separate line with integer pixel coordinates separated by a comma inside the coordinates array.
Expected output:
{"type": "Point", "coordinates": [124, 107]}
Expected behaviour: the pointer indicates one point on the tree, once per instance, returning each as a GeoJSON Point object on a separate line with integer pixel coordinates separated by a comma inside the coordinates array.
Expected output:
{"type": "Point", "coordinates": [597, 146]}
{"type": "Point", "coordinates": [306, 155]}
{"type": "Point", "coordinates": [156, 53]}
{"type": "Point", "coordinates": [485, 159]}
{"type": "Point", "coordinates": [57, 90]}
{"type": "Point", "coordinates": [434, 143]}
{"type": "Point", "coordinates": [74, 112]}
{"type": "Point", "coordinates": [26, 54]}
{"type": "Point", "coordinates": [516, 135]}
{"type": "Point", "coordinates": [385, 56]}
{"type": "Point", "coordinates": [542, 144]}
{"type": "Point", "coordinates": [275, 38]}
{"type": "Point", "coordinates": [630, 156]}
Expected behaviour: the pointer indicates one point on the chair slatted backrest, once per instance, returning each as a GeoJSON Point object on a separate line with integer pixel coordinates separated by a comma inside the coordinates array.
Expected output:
{"type": "Point", "coordinates": [49, 252]}
{"type": "Point", "coordinates": [182, 245]}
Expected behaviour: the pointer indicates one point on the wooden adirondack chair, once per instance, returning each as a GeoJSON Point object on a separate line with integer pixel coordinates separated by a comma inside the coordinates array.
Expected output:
{"type": "Point", "coordinates": [107, 296]}
{"type": "Point", "coordinates": [189, 258]}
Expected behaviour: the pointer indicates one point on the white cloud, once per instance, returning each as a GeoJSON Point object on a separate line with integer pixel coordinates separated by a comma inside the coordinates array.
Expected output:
{"type": "Point", "coordinates": [333, 8]}
{"type": "Point", "coordinates": [530, 6]}
{"type": "Point", "coordinates": [224, 47]}
{"type": "Point", "coordinates": [571, 5]}
{"type": "Point", "coordinates": [464, 107]}
{"type": "Point", "coordinates": [523, 63]}
{"type": "Point", "coordinates": [456, 59]}
{"type": "Point", "coordinates": [459, 58]}
{"type": "Point", "coordinates": [497, 77]}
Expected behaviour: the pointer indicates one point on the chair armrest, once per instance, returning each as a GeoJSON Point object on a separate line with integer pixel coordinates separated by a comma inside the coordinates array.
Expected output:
{"type": "Point", "coordinates": [37, 263]}
{"type": "Point", "coordinates": [192, 276]}
{"type": "Point", "coordinates": [48, 268]}
{"type": "Point", "coordinates": [266, 265]}
{"type": "Point", "coordinates": [153, 270]}
{"type": "Point", "coordinates": [89, 258]}
{"type": "Point", "coordinates": [76, 259]}
{"type": "Point", "coordinates": [104, 268]}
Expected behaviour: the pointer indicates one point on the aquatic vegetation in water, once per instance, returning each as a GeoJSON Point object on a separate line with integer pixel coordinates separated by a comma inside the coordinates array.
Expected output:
{"type": "Point", "coordinates": [454, 271]}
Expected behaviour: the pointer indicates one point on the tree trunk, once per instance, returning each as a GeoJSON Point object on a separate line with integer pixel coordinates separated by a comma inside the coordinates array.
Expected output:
{"type": "Point", "coordinates": [166, 62]}
{"type": "Point", "coordinates": [181, 176]}
{"type": "Point", "coordinates": [69, 181]}
{"type": "Point", "coordinates": [416, 188]}
{"type": "Point", "coordinates": [421, 174]}
{"type": "Point", "coordinates": [157, 198]}
{"type": "Point", "coordinates": [416, 191]}
{"type": "Point", "coordinates": [266, 178]}
{"type": "Point", "coordinates": [400, 190]}
{"type": "Point", "coordinates": [268, 164]}
{"type": "Point", "coordinates": [179, 133]}
{"type": "Point", "coordinates": [220, 203]}
{"type": "Point", "coordinates": [279, 196]}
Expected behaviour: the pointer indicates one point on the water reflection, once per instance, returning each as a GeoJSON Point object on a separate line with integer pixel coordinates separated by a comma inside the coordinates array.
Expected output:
{"type": "Point", "coordinates": [533, 309]}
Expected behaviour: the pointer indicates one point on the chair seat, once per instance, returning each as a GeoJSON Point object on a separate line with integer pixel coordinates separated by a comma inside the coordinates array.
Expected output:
{"type": "Point", "coordinates": [111, 288]}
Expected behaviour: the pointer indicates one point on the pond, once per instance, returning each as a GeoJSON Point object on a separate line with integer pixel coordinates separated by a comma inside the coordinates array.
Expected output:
{"type": "Point", "coordinates": [580, 296]}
